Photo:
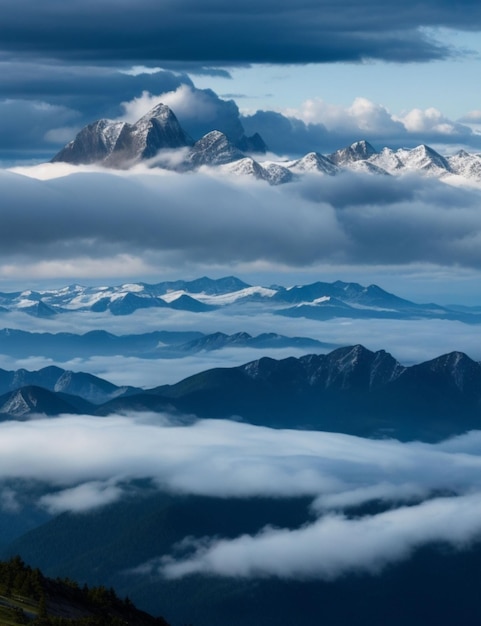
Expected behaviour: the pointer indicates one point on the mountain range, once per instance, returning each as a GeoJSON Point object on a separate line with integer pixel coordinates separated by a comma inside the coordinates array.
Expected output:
{"type": "Point", "coordinates": [319, 300]}
{"type": "Point", "coordinates": [162, 344]}
{"type": "Point", "coordinates": [120, 144]}
{"type": "Point", "coordinates": [350, 390]}
{"type": "Point", "coordinates": [154, 137]}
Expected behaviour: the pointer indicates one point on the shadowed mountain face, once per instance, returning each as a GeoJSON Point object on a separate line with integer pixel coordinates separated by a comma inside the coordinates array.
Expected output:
{"type": "Point", "coordinates": [350, 390]}
{"type": "Point", "coordinates": [93, 144]}
{"type": "Point", "coordinates": [119, 144]}
{"type": "Point", "coordinates": [158, 130]}
{"type": "Point", "coordinates": [358, 151]}
{"type": "Point", "coordinates": [213, 149]}
{"type": "Point", "coordinates": [29, 400]}
{"type": "Point", "coordinates": [55, 379]}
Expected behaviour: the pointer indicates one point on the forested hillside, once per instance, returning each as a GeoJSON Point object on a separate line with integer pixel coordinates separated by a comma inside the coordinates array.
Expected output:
{"type": "Point", "coordinates": [28, 597]}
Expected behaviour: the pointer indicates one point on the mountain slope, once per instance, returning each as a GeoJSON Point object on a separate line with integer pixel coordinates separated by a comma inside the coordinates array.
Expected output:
{"type": "Point", "coordinates": [26, 595]}
{"type": "Point", "coordinates": [213, 149]}
{"type": "Point", "coordinates": [56, 379]}
{"type": "Point", "coordinates": [157, 130]}
{"type": "Point", "coordinates": [119, 144]}
{"type": "Point", "coordinates": [31, 399]}
{"type": "Point", "coordinates": [350, 390]}
{"type": "Point", "coordinates": [358, 151]}
{"type": "Point", "coordinates": [93, 144]}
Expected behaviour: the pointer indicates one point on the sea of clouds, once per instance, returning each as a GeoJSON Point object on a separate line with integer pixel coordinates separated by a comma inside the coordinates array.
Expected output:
{"type": "Point", "coordinates": [431, 492]}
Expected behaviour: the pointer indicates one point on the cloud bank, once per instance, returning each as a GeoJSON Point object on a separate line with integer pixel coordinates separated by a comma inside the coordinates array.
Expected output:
{"type": "Point", "coordinates": [86, 462]}
{"type": "Point", "coordinates": [334, 545]}
{"type": "Point", "coordinates": [91, 222]}
{"type": "Point", "coordinates": [81, 455]}
{"type": "Point", "coordinates": [325, 127]}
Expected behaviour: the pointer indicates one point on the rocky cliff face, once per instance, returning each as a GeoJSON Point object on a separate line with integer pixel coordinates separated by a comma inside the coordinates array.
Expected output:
{"type": "Point", "coordinates": [93, 144]}
{"type": "Point", "coordinates": [118, 144]}
{"type": "Point", "coordinates": [213, 149]}
{"type": "Point", "coordinates": [158, 130]}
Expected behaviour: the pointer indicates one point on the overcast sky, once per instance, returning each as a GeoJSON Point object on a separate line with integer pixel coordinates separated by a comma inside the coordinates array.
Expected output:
{"type": "Point", "coordinates": [311, 75]}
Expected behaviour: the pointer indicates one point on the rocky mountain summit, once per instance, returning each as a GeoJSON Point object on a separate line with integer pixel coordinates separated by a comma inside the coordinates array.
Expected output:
{"type": "Point", "coordinates": [120, 144]}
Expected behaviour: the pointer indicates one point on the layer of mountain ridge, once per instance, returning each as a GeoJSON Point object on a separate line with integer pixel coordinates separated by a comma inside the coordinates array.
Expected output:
{"type": "Point", "coordinates": [350, 389]}
{"type": "Point", "coordinates": [152, 345]}
{"type": "Point", "coordinates": [156, 134]}
{"type": "Point", "coordinates": [319, 300]}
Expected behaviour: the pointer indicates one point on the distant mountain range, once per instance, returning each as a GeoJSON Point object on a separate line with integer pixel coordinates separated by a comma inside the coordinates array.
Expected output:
{"type": "Point", "coordinates": [160, 344]}
{"type": "Point", "coordinates": [318, 300]}
{"type": "Point", "coordinates": [155, 135]}
{"type": "Point", "coordinates": [350, 390]}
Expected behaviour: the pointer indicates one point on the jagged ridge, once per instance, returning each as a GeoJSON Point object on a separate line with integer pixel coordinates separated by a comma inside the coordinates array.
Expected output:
{"type": "Point", "coordinates": [350, 389]}
{"type": "Point", "coordinates": [119, 144]}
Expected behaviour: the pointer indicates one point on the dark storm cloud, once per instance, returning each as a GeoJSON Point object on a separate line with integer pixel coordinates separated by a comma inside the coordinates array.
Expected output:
{"type": "Point", "coordinates": [102, 89]}
{"type": "Point", "coordinates": [197, 218]}
{"type": "Point", "coordinates": [236, 32]}
{"type": "Point", "coordinates": [25, 124]}
{"type": "Point", "coordinates": [36, 100]}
